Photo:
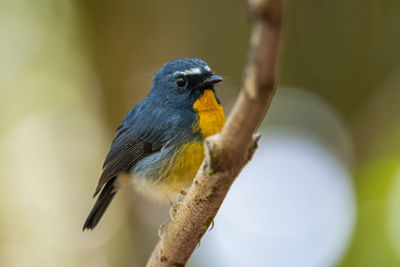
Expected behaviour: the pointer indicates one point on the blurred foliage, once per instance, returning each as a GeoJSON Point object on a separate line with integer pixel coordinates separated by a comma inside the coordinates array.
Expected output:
{"type": "Point", "coordinates": [371, 245]}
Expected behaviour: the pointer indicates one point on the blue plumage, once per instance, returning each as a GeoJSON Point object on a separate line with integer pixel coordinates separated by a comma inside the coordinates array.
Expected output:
{"type": "Point", "coordinates": [154, 130]}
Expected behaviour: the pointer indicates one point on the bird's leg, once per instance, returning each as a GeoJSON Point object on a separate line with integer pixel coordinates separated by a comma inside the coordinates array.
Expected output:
{"type": "Point", "coordinates": [173, 208]}
{"type": "Point", "coordinates": [170, 202]}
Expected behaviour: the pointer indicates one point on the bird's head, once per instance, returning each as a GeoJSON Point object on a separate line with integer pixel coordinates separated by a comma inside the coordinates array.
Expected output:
{"type": "Point", "coordinates": [179, 83]}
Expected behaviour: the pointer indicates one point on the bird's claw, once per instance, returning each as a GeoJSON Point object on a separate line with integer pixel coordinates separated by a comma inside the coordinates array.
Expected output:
{"type": "Point", "coordinates": [173, 210]}
{"type": "Point", "coordinates": [212, 226]}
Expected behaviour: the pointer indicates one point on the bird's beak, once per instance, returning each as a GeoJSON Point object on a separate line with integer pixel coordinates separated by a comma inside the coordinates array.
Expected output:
{"type": "Point", "coordinates": [212, 80]}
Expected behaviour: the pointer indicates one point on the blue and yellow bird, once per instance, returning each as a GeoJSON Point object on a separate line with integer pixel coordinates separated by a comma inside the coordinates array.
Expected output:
{"type": "Point", "coordinates": [159, 145]}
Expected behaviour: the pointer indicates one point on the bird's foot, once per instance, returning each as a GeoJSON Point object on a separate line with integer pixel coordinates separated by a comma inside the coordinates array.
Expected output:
{"type": "Point", "coordinates": [173, 210]}
{"type": "Point", "coordinates": [212, 226]}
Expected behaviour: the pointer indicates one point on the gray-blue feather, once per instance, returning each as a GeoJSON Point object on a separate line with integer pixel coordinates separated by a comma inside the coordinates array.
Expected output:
{"type": "Point", "coordinates": [146, 130]}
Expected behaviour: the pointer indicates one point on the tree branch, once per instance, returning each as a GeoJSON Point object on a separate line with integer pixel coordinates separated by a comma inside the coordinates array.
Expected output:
{"type": "Point", "coordinates": [228, 152]}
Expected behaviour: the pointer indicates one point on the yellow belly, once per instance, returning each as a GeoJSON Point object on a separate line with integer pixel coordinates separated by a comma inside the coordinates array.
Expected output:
{"type": "Point", "coordinates": [179, 174]}
{"type": "Point", "coordinates": [186, 162]}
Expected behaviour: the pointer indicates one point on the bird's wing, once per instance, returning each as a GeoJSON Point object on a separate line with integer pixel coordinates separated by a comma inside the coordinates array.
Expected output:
{"type": "Point", "coordinates": [136, 137]}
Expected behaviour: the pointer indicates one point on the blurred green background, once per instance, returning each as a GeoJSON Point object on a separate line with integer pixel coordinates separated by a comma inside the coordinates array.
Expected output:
{"type": "Point", "coordinates": [70, 71]}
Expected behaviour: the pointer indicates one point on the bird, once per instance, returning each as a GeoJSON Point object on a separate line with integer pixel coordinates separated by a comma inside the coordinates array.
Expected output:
{"type": "Point", "coordinates": [158, 147]}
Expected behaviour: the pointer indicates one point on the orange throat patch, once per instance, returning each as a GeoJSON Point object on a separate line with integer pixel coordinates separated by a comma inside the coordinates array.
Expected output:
{"type": "Point", "coordinates": [210, 114]}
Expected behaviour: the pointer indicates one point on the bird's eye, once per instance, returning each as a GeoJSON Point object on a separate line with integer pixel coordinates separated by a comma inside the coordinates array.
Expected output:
{"type": "Point", "coordinates": [180, 81]}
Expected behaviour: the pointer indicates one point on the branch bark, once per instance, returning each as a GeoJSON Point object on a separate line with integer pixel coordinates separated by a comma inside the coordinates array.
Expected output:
{"type": "Point", "coordinates": [228, 152]}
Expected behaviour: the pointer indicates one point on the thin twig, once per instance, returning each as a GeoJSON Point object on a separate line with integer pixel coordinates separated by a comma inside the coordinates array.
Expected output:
{"type": "Point", "coordinates": [228, 152]}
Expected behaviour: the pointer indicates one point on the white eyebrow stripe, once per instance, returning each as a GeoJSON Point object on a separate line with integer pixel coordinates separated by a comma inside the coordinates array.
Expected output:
{"type": "Point", "coordinates": [207, 68]}
{"type": "Point", "coordinates": [189, 71]}
{"type": "Point", "coordinates": [193, 71]}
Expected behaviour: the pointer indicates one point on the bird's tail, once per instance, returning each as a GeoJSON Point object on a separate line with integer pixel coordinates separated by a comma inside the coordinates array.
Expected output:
{"type": "Point", "coordinates": [106, 195]}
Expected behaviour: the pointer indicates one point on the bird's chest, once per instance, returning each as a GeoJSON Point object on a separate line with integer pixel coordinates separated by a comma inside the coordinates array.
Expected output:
{"type": "Point", "coordinates": [185, 162]}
